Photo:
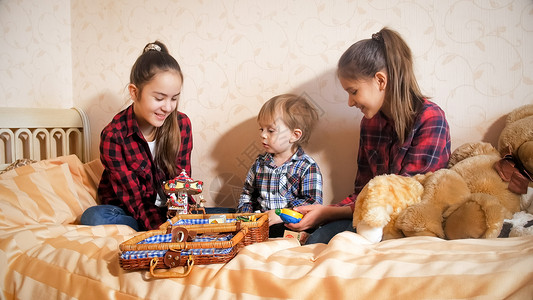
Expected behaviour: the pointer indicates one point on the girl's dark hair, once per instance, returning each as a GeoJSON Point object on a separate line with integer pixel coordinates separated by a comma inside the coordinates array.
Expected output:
{"type": "Point", "coordinates": [155, 59]}
{"type": "Point", "coordinates": [386, 50]}
{"type": "Point", "coordinates": [295, 111]}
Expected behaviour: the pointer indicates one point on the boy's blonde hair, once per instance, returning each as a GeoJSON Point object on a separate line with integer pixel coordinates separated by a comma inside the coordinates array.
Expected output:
{"type": "Point", "coordinates": [295, 111]}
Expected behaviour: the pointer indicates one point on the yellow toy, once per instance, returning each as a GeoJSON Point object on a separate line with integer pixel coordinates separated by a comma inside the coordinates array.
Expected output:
{"type": "Point", "coordinates": [289, 215]}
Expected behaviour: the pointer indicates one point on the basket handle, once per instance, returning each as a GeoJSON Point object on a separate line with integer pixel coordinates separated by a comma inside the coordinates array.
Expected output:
{"type": "Point", "coordinates": [187, 270]}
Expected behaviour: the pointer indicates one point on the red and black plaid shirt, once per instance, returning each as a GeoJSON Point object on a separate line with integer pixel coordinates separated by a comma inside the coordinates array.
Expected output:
{"type": "Point", "coordinates": [131, 178]}
{"type": "Point", "coordinates": [426, 148]}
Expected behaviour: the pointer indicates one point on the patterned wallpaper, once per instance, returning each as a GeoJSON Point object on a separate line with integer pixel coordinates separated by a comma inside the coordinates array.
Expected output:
{"type": "Point", "coordinates": [35, 54]}
{"type": "Point", "coordinates": [474, 57]}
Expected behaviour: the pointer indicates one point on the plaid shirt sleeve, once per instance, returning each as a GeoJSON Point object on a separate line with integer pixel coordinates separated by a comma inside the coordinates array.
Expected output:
{"type": "Point", "coordinates": [310, 187]}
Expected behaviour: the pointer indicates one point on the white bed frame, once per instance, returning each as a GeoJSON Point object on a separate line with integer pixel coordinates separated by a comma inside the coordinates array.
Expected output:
{"type": "Point", "coordinates": [42, 133]}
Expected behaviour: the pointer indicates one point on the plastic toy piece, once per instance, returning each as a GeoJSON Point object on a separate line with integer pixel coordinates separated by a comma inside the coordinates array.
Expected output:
{"type": "Point", "coordinates": [289, 215]}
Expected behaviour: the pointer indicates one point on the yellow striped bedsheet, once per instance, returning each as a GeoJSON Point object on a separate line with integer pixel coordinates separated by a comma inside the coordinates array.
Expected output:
{"type": "Point", "coordinates": [70, 261]}
{"type": "Point", "coordinates": [45, 254]}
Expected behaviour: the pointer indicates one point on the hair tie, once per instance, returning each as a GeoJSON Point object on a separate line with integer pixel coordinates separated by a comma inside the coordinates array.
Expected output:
{"type": "Point", "coordinates": [152, 46]}
{"type": "Point", "coordinates": [377, 37]}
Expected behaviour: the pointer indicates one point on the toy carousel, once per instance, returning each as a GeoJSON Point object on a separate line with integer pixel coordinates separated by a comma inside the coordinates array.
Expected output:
{"type": "Point", "coordinates": [178, 191]}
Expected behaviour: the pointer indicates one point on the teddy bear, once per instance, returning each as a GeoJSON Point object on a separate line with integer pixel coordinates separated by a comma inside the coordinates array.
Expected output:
{"type": "Point", "coordinates": [445, 198]}
{"type": "Point", "coordinates": [470, 196]}
{"type": "Point", "coordinates": [469, 199]}
{"type": "Point", "coordinates": [495, 187]}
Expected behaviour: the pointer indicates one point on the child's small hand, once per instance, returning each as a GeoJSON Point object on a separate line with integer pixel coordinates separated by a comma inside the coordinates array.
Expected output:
{"type": "Point", "coordinates": [273, 218]}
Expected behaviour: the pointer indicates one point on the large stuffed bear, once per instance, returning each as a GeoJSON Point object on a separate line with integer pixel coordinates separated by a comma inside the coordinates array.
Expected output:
{"type": "Point", "coordinates": [471, 198]}
{"type": "Point", "coordinates": [468, 200]}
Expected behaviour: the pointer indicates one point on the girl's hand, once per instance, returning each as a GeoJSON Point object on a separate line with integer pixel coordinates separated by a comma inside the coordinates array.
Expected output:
{"type": "Point", "coordinates": [313, 216]}
{"type": "Point", "coordinates": [316, 215]}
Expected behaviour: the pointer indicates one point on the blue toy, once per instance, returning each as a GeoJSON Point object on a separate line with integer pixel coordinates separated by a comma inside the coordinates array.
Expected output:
{"type": "Point", "coordinates": [289, 215]}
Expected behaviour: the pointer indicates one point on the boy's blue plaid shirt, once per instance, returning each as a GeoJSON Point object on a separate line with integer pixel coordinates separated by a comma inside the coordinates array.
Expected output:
{"type": "Point", "coordinates": [296, 182]}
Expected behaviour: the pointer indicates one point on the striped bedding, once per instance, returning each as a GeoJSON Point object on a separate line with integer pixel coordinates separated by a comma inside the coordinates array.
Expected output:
{"type": "Point", "coordinates": [44, 254]}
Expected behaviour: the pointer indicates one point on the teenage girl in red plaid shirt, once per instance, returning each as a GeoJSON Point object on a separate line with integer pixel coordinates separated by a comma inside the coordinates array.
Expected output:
{"type": "Point", "coordinates": [148, 142]}
{"type": "Point", "coordinates": [402, 132]}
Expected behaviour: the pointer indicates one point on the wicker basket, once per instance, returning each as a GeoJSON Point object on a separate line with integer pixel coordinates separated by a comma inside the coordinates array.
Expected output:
{"type": "Point", "coordinates": [257, 230]}
{"type": "Point", "coordinates": [158, 249]}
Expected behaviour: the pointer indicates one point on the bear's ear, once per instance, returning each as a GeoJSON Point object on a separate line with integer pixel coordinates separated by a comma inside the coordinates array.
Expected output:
{"type": "Point", "coordinates": [525, 155]}
{"type": "Point", "coordinates": [467, 150]}
{"type": "Point", "coordinates": [519, 113]}
{"type": "Point", "coordinates": [517, 131]}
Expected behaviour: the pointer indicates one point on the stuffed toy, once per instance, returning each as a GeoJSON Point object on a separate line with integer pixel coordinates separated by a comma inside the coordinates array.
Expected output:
{"type": "Point", "coordinates": [470, 199]}
{"type": "Point", "coordinates": [495, 185]}
{"type": "Point", "coordinates": [447, 198]}
{"type": "Point", "coordinates": [443, 190]}
{"type": "Point", "coordinates": [520, 225]}
{"type": "Point", "coordinates": [379, 203]}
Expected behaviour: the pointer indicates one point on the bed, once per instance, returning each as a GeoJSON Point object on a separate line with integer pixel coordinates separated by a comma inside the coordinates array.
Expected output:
{"type": "Point", "coordinates": [45, 253]}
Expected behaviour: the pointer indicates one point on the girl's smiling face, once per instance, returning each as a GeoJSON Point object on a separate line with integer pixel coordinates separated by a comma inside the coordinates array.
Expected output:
{"type": "Point", "coordinates": [157, 100]}
{"type": "Point", "coordinates": [366, 94]}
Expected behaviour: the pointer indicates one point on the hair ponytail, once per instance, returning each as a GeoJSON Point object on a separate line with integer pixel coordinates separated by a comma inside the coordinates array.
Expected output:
{"type": "Point", "coordinates": [405, 97]}
{"type": "Point", "coordinates": [168, 144]}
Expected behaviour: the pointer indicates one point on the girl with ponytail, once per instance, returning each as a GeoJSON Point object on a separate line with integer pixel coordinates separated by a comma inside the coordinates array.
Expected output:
{"type": "Point", "coordinates": [148, 142]}
{"type": "Point", "coordinates": [402, 132]}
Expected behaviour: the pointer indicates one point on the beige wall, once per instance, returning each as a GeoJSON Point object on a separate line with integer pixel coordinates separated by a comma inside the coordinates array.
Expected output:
{"type": "Point", "coordinates": [35, 54]}
{"type": "Point", "coordinates": [475, 58]}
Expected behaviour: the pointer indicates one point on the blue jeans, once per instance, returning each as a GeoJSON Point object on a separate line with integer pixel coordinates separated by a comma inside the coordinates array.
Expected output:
{"type": "Point", "coordinates": [107, 214]}
{"type": "Point", "coordinates": [326, 232]}
{"type": "Point", "coordinates": [111, 214]}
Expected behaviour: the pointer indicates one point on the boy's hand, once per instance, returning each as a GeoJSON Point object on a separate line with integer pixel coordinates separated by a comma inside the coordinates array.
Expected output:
{"type": "Point", "coordinates": [273, 218]}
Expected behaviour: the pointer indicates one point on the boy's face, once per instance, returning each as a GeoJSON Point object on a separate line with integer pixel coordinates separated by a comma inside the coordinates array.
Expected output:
{"type": "Point", "coordinates": [277, 138]}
